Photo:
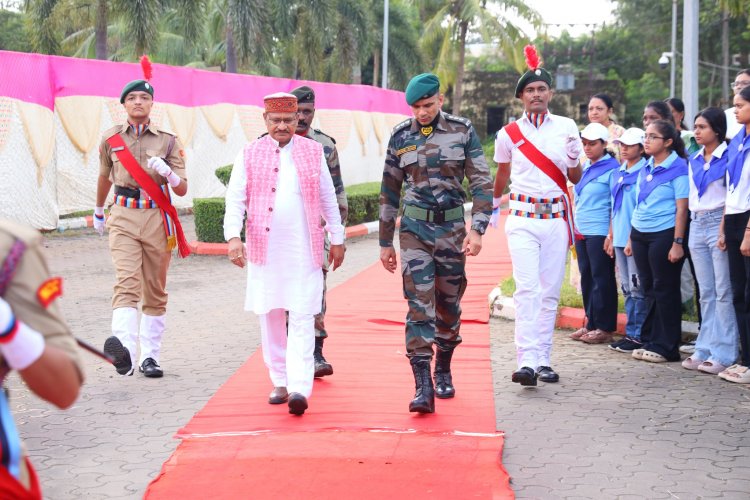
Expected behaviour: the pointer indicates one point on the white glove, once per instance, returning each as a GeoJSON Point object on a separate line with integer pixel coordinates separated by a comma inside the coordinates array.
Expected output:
{"type": "Point", "coordinates": [161, 167]}
{"type": "Point", "coordinates": [20, 345]}
{"type": "Point", "coordinates": [495, 218]}
{"type": "Point", "coordinates": [6, 316]}
{"type": "Point", "coordinates": [573, 148]}
{"type": "Point", "coordinates": [99, 224]}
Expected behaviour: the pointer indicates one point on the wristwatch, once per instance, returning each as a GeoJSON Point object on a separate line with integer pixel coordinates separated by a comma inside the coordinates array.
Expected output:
{"type": "Point", "coordinates": [679, 241]}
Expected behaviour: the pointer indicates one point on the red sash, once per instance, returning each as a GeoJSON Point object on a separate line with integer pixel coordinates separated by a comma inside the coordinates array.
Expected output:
{"type": "Point", "coordinates": [549, 168]}
{"type": "Point", "coordinates": [10, 487]}
{"type": "Point", "coordinates": [153, 189]}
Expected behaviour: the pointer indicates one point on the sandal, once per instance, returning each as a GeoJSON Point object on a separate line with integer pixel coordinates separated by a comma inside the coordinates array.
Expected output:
{"type": "Point", "coordinates": [740, 375]}
{"type": "Point", "coordinates": [692, 363]}
{"type": "Point", "coordinates": [653, 357]}
{"type": "Point", "coordinates": [597, 337]}
{"type": "Point", "coordinates": [576, 335]}
{"type": "Point", "coordinates": [638, 353]}
{"type": "Point", "coordinates": [711, 367]}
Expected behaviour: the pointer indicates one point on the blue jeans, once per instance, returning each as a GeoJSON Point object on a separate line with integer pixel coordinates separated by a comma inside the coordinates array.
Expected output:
{"type": "Point", "coordinates": [636, 305]}
{"type": "Point", "coordinates": [719, 338]}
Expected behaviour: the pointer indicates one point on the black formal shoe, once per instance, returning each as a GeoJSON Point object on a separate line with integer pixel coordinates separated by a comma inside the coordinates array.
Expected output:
{"type": "Point", "coordinates": [278, 396]}
{"type": "Point", "coordinates": [297, 403]}
{"type": "Point", "coordinates": [150, 369]}
{"type": "Point", "coordinates": [547, 374]}
{"type": "Point", "coordinates": [120, 355]}
{"type": "Point", "coordinates": [322, 367]}
{"type": "Point", "coordinates": [524, 376]}
{"type": "Point", "coordinates": [424, 397]}
{"type": "Point", "coordinates": [443, 378]}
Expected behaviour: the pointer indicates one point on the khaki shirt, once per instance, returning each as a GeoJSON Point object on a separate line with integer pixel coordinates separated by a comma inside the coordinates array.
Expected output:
{"type": "Point", "coordinates": [27, 293]}
{"type": "Point", "coordinates": [153, 142]}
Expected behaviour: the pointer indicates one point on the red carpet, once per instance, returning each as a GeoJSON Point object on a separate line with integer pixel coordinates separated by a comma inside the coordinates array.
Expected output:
{"type": "Point", "coordinates": [357, 439]}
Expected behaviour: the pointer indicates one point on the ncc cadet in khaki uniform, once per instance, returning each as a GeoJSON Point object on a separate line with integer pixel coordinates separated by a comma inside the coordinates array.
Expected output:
{"type": "Point", "coordinates": [36, 342]}
{"type": "Point", "coordinates": [433, 152]}
{"type": "Point", "coordinates": [142, 233]}
{"type": "Point", "coordinates": [305, 114]}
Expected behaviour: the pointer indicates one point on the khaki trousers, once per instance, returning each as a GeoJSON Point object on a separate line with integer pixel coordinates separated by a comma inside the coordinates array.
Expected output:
{"type": "Point", "coordinates": [138, 245]}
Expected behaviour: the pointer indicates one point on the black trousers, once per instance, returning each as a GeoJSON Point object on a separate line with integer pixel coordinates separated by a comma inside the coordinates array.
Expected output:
{"type": "Point", "coordinates": [739, 275]}
{"type": "Point", "coordinates": [660, 280]}
{"type": "Point", "coordinates": [598, 285]}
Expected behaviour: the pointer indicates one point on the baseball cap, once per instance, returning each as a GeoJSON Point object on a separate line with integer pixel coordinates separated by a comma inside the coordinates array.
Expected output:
{"type": "Point", "coordinates": [594, 131]}
{"type": "Point", "coordinates": [631, 136]}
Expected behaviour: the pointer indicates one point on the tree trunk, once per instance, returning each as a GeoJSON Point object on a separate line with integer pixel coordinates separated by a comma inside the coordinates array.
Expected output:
{"type": "Point", "coordinates": [375, 67]}
{"type": "Point", "coordinates": [458, 91]}
{"type": "Point", "coordinates": [230, 49]}
{"type": "Point", "coordinates": [357, 74]}
{"type": "Point", "coordinates": [101, 30]}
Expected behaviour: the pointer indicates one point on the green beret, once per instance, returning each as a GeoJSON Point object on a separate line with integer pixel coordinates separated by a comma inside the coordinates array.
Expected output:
{"type": "Point", "coordinates": [421, 87]}
{"type": "Point", "coordinates": [136, 86]}
{"type": "Point", "coordinates": [538, 75]}
{"type": "Point", "coordinates": [304, 95]}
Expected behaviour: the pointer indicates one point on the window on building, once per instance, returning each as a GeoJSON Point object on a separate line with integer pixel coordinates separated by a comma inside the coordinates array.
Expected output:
{"type": "Point", "coordinates": [495, 119]}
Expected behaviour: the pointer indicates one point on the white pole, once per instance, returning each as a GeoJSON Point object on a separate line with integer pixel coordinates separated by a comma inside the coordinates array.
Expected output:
{"type": "Point", "coordinates": [690, 60]}
{"type": "Point", "coordinates": [673, 69]}
{"type": "Point", "coordinates": [385, 46]}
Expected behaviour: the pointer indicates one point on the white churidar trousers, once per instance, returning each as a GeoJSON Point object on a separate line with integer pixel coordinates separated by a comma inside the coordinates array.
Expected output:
{"type": "Point", "coordinates": [538, 251]}
{"type": "Point", "coordinates": [289, 358]}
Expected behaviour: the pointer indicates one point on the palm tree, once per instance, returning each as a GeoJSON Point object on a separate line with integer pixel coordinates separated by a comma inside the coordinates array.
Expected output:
{"type": "Point", "coordinates": [405, 57]}
{"type": "Point", "coordinates": [247, 32]}
{"type": "Point", "coordinates": [449, 23]}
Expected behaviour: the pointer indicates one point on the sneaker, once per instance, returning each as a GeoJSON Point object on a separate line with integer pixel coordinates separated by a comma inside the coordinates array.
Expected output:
{"type": "Point", "coordinates": [628, 345]}
{"type": "Point", "coordinates": [615, 344]}
{"type": "Point", "coordinates": [688, 348]}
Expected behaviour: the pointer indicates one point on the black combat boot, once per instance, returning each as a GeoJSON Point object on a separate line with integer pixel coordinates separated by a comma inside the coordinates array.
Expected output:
{"type": "Point", "coordinates": [443, 380]}
{"type": "Point", "coordinates": [424, 398]}
{"type": "Point", "coordinates": [322, 367]}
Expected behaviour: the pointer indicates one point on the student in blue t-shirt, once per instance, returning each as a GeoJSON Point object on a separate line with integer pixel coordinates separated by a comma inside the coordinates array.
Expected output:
{"type": "Point", "coordinates": [623, 187]}
{"type": "Point", "coordinates": [717, 344]}
{"type": "Point", "coordinates": [657, 238]}
{"type": "Point", "coordinates": [592, 208]}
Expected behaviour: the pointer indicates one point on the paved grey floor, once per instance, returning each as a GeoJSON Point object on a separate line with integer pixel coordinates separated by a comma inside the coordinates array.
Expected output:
{"type": "Point", "coordinates": [612, 428]}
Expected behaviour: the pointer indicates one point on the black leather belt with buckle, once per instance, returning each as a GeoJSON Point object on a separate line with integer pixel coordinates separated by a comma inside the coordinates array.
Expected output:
{"type": "Point", "coordinates": [128, 192]}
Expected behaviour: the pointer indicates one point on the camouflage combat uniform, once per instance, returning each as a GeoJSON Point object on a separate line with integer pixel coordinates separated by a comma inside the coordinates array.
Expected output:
{"type": "Point", "coordinates": [332, 159]}
{"type": "Point", "coordinates": [432, 263]}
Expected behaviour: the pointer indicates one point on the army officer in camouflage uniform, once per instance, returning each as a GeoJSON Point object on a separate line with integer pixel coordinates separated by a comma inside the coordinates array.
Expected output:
{"type": "Point", "coordinates": [305, 114]}
{"type": "Point", "coordinates": [432, 152]}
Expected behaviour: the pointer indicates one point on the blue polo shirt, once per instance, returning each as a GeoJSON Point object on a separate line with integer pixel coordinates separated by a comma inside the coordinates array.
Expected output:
{"type": "Point", "coordinates": [621, 218]}
{"type": "Point", "coordinates": [593, 204]}
{"type": "Point", "coordinates": [658, 212]}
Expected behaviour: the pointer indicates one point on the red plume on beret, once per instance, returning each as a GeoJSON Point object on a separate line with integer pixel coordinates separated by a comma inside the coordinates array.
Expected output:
{"type": "Point", "coordinates": [146, 66]}
{"type": "Point", "coordinates": [532, 58]}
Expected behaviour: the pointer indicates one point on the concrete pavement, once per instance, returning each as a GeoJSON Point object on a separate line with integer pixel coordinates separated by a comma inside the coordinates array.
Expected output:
{"type": "Point", "coordinates": [612, 428]}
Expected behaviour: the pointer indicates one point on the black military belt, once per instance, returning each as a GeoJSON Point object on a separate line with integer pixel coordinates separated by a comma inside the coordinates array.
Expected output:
{"type": "Point", "coordinates": [436, 216]}
{"type": "Point", "coordinates": [128, 192]}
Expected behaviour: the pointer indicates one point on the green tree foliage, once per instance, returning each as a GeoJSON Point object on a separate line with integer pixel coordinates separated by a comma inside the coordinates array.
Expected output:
{"type": "Point", "coordinates": [12, 35]}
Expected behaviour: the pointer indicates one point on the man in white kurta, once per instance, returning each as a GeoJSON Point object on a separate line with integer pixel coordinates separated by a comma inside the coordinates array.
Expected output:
{"type": "Point", "coordinates": [290, 280]}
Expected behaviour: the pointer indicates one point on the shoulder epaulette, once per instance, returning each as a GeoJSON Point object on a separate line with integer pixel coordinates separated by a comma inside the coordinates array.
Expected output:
{"type": "Point", "coordinates": [323, 133]}
{"type": "Point", "coordinates": [458, 119]}
{"type": "Point", "coordinates": [167, 132]}
{"type": "Point", "coordinates": [402, 125]}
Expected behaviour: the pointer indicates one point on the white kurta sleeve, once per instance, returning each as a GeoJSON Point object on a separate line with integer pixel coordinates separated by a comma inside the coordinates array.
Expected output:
{"type": "Point", "coordinates": [236, 199]}
{"type": "Point", "coordinates": [329, 205]}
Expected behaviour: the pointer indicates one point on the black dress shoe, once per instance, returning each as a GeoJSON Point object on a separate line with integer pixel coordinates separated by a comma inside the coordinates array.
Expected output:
{"type": "Point", "coordinates": [524, 376]}
{"type": "Point", "coordinates": [297, 403]}
{"type": "Point", "coordinates": [120, 355]}
{"type": "Point", "coordinates": [547, 374]}
{"type": "Point", "coordinates": [149, 368]}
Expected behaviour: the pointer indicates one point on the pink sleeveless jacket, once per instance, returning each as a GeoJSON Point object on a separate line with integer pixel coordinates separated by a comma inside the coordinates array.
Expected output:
{"type": "Point", "coordinates": [262, 163]}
